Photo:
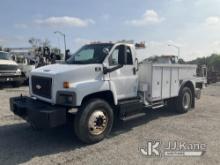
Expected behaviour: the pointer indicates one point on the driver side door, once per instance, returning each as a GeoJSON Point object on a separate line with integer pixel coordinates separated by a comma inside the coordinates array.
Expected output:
{"type": "Point", "coordinates": [124, 80]}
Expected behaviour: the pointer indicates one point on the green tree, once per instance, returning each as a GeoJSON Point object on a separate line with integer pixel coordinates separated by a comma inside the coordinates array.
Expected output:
{"type": "Point", "coordinates": [212, 62]}
{"type": "Point", "coordinates": [35, 42]}
{"type": "Point", "coordinates": [7, 49]}
{"type": "Point", "coordinates": [46, 43]}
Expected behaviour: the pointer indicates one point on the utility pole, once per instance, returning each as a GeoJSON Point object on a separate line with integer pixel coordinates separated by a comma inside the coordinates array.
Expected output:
{"type": "Point", "coordinates": [64, 39]}
{"type": "Point", "coordinates": [178, 48]}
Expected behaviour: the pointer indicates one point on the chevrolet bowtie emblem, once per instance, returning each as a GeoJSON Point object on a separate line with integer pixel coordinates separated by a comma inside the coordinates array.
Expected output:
{"type": "Point", "coordinates": [38, 87]}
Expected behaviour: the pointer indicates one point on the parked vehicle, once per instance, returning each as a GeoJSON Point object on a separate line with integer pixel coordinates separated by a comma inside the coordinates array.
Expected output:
{"type": "Point", "coordinates": [213, 77]}
{"type": "Point", "coordinates": [25, 64]}
{"type": "Point", "coordinates": [202, 73]}
{"type": "Point", "coordinates": [102, 82]}
{"type": "Point", "coordinates": [9, 70]}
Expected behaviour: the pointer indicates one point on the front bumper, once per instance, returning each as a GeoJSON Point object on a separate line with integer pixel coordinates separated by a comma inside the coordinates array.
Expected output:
{"type": "Point", "coordinates": [38, 113]}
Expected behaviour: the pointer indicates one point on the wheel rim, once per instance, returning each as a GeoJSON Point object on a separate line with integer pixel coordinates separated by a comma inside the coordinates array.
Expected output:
{"type": "Point", "coordinates": [186, 100]}
{"type": "Point", "coordinates": [98, 122]}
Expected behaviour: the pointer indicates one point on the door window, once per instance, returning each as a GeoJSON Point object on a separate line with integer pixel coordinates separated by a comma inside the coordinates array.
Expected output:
{"type": "Point", "coordinates": [113, 60]}
{"type": "Point", "coordinates": [121, 55]}
{"type": "Point", "coordinates": [118, 56]}
{"type": "Point", "coordinates": [129, 60]}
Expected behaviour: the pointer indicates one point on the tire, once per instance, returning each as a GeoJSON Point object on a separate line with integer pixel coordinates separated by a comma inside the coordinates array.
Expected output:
{"type": "Point", "coordinates": [184, 100]}
{"type": "Point", "coordinates": [96, 113]}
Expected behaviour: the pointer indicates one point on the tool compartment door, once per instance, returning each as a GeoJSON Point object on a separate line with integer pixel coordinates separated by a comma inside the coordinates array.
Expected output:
{"type": "Point", "coordinates": [166, 82]}
{"type": "Point", "coordinates": [156, 83]}
{"type": "Point", "coordinates": [174, 82]}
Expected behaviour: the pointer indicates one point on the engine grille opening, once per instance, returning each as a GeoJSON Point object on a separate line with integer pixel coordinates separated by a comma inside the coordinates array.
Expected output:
{"type": "Point", "coordinates": [8, 67]}
{"type": "Point", "coordinates": [42, 86]}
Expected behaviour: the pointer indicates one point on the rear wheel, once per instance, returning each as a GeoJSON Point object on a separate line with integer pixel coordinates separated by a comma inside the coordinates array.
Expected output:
{"type": "Point", "coordinates": [184, 101]}
{"type": "Point", "coordinates": [94, 121]}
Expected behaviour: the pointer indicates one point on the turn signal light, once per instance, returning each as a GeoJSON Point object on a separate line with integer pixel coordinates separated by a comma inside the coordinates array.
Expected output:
{"type": "Point", "coordinates": [66, 85]}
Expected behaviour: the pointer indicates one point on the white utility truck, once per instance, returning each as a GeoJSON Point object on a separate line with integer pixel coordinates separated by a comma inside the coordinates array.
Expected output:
{"type": "Point", "coordinates": [102, 82]}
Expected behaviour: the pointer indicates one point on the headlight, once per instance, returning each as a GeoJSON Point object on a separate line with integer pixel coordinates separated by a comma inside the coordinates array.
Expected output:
{"type": "Point", "coordinates": [66, 98]}
{"type": "Point", "coordinates": [18, 71]}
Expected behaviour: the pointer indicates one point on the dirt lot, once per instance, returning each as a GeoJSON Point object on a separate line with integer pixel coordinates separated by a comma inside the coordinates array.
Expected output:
{"type": "Point", "coordinates": [19, 144]}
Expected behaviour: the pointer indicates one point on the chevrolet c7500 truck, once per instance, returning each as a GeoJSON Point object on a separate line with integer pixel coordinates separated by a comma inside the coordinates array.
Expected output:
{"type": "Point", "coordinates": [102, 82]}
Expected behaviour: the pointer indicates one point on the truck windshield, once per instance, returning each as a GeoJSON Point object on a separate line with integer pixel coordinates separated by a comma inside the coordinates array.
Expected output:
{"type": "Point", "coordinates": [90, 54]}
{"type": "Point", "coordinates": [4, 56]}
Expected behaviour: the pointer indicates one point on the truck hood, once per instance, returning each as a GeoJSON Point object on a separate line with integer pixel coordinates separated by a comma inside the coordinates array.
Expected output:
{"type": "Point", "coordinates": [7, 62]}
{"type": "Point", "coordinates": [63, 68]}
{"type": "Point", "coordinates": [75, 74]}
{"type": "Point", "coordinates": [70, 72]}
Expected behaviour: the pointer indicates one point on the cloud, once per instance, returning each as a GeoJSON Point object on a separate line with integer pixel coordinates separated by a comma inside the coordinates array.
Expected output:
{"type": "Point", "coordinates": [213, 21]}
{"type": "Point", "coordinates": [211, 24]}
{"type": "Point", "coordinates": [65, 21]}
{"type": "Point", "coordinates": [215, 43]}
{"type": "Point", "coordinates": [148, 18]}
{"type": "Point", "coordinates": [206, 4]}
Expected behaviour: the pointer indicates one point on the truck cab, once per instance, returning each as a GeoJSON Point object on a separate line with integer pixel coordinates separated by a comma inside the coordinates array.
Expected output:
{"type": "Point", "coordinates": [103, 67]}
{"type": "Point", "coordinates": [101, 82]}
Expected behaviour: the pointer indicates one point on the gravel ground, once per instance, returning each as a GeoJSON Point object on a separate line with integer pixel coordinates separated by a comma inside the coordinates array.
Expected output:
{"type": "Point", "coordinates": [19, 144]}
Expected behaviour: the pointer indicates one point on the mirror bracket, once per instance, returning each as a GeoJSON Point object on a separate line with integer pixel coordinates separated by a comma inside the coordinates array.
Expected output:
{"type": "Point", "coordinates": [108, 70]}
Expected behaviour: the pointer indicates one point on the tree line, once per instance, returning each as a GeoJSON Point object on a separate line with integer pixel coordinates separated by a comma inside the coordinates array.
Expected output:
{"type": "Point", "coordinates": [212, 62]}
{"type": "Point", "coordinates": [37, 43]}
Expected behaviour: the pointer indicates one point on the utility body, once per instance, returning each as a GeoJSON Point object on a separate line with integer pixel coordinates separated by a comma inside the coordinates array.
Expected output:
{"type": "Point", "coordinates": [102, 82]}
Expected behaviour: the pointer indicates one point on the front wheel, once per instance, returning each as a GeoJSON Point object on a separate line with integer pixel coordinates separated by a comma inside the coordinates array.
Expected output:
{"type": "Point", "coordinates": [94, 121]}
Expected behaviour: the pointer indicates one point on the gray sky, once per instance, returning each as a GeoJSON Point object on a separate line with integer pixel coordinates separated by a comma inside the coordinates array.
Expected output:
{"type": "Point", "coordinates": [193, 25]}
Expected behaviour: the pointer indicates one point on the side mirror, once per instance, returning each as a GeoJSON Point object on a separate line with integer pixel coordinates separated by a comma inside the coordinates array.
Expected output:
{"type": "Point", "coordinates": [136, 64]}
{"type": "Point", "coordinates": [105, 70]}
{"type": "Point", "coordinates": [106, 51]}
